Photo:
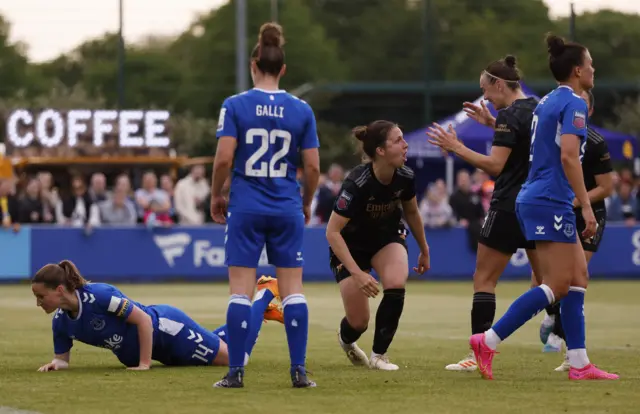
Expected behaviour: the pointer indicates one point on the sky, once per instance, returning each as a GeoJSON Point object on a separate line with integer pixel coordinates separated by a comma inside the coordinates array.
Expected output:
{"type": "Point", "coordinates": [52, 27]}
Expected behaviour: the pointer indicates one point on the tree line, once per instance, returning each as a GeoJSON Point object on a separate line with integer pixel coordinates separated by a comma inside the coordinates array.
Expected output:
{"type": "Point", "coordinates": [327, 41]}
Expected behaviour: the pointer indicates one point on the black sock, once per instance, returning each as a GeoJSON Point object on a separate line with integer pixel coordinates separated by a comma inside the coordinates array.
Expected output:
{"type": "Point", "coordinates": [557, 326]}
{"type": "Point", "coordinates": [483, 311]}
{"type": "Point", "coordinates": [387, 319]}
{"type": "Point", "coordinates": [349, 334]}
{"type": "Point", "coordinates": [553, 310]}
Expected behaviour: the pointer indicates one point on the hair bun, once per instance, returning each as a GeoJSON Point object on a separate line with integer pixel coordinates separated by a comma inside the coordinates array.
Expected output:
{"type": "Point", "coordinates": [360, 132]}
{"type": "Point", "coordinates": [271, 35]}
{"type": "Point", "coordinates": [555, 44]}
{"type": "Point", "coordinates": [510, 61]}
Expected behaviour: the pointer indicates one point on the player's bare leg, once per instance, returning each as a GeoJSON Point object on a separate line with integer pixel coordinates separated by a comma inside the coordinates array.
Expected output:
{"type": "Point", "coordinates": [392, 264]}
{"type": "Point", "coordinates": [355, 322]}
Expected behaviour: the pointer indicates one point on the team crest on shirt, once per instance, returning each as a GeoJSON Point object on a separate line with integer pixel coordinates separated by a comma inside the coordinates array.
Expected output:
{"type": "Point", "coordinates": [343, 200]}
{"type": "Point", "coordinates": [569, 231]}
{"type": "Point", "coordinates": [579, 119]}
{"type": "Point", "coordinates": [98, 324]}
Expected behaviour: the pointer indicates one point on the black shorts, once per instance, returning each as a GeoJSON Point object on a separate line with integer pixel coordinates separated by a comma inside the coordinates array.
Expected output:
{"type": "Point", "coordinates": [501, 231]}
{"type": "Point", "coordinates": [363, 252]}
{"type": "Point", "coordinates": [591, 244]}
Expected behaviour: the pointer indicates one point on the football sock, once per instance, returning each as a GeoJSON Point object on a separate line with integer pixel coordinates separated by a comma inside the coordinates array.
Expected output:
{"type": "Point", "coordinates": [238, 320]}
{"type": "Point", "coordinates": [483, 311]}
{"type": "Point", "coordinates": [387, 319]}
{"type": "Point", "coordinates": [296, 323]}
{"type": "Point", "coordinates": [572, 311]}
{"type": "Point", "coordinates": [260, 302]}
{"type": "Point", "coordinates": [349, 334]}
{"type": "Point", "coordinates": [524, 308]}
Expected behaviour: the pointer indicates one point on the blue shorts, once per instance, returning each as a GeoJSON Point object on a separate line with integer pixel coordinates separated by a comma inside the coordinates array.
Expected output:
{"type": "Point", "coordinates": [179, 340]}
{"type": "Point", "coordinates": [547, 223]}
{"type": "Point", "coordinates": [247, 234]}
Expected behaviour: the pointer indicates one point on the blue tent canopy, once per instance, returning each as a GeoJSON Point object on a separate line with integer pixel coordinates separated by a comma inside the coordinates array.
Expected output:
{"type": "Point", "coordinates": [479, 137]}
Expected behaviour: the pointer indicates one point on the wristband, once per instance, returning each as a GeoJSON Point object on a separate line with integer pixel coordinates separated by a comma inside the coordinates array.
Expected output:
{"type": "Point", "coordinates": [60, 364]}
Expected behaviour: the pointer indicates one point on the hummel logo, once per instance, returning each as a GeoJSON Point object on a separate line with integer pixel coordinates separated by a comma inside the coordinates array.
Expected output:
{"type": "Point", "coordinates": [172, 246]}
{"type": "Point", "coordinates": [88, 297]}
{"type": "Point", "coordinates": [558, 222]}
{"type": "Point", "coordinates": [540, 230]}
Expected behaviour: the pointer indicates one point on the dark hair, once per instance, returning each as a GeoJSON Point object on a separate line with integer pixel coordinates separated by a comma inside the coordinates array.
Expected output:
{"type": "Point", "coordinates": [592, 100]}
{"type": "Point", "coordinates": [373, 136]}
{"type": "Point", "coordinates": [64, 273]}
{"type": "Point", "coordinates": [268, 53]}
{"type": "Point", "coordinates": [506, 70]}
{"type": "Point", "coordinates": [563, 56]}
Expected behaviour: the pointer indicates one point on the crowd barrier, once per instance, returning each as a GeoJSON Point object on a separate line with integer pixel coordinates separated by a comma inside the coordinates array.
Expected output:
{"type": "Point", "coordinates": [197, 253]}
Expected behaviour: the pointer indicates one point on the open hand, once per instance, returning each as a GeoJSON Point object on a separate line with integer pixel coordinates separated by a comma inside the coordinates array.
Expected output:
{"type": "Point", "coordinates": [480, 114]}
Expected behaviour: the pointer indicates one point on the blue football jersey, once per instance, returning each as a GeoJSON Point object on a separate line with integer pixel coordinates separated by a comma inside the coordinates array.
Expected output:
{"type": "Point", "coordinates": [100, 322]}
{"type": "Point", "coordinates": [558, 113]}
{"type": "Point", "coordinates": [271, 128]}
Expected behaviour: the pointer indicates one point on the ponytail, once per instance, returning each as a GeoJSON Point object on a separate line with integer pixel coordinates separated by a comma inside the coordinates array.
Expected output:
{"type": "Point", "coordinates": [64, 273]}
{"type": "Point", "coordinates": [73, 278]}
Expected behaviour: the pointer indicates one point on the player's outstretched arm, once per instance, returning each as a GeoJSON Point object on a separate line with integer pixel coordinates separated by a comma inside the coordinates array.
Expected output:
{"type": "Point", "coordinates": [145, 336]}
{"type": "Point", "coordinates": [366, 282]}
{"type": "Point", "coordinates": [448, 140]}
{"type": "Point", "coordinates": [60, 361]}
{"type": "Point", "coordinates": [412, 216]}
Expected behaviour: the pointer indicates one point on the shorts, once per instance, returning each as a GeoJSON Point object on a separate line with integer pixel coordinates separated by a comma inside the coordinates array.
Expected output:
{"type": "Point", "coordinates": [247, 234]}
{"type": "Point", "coordinates": [547, 223]}
{"type": "Point", "coordinates": [363, 252]}
{"type": "Point", "coordinates": [501, 231]}
{"type": "Point", "coordinates": [180, 341]}
{"type": "Point", "coordinates": [591, 244]}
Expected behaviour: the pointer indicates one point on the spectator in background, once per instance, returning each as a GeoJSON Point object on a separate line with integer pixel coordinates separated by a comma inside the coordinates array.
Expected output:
{"type": "Point", "coordinates": [435, 209]}
{"type": "Point", "coordinates": [150, 192]}
{"type": "Point", "coordinates": [156, 216]}
{"type": "Point", "coordinates": [49, 194]}
{"type": "Point", "coordinates": [328, 192]}
{"type": "Point", "coordinates": [124, 183]}
{"type": "Point", "coordinates": [166, 184]}
{"type": "Point", "coordinates": [78, 210]}
{"type": "Point", "coordinates": [9, 209]}
{"type": "Point", "coordinates": [623, 205]}
{"type": "Point", "coordinates": [192, 196]}
{"type": "Point", "coordinates": [467, 207]}
{"type": "Point", "coordinates": [98, 190]}
{"type": "Point", "coordinates": [483, 186]}
{"type": "Point", "coordinates": [30, 208]}
{"type": "Point", "coordinates": [119, 209]}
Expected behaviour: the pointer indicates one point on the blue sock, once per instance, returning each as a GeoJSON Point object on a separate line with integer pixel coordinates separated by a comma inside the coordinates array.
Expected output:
{"type": "Point", "coordinates": [524, 308]}
{"type": "Point", "coordinates": [572, 314]}
{"type": "Point", "coordinates": [238, 325]}
{"type": "Point", "coordinates": [222, 332]}
{"type": "Point", "coordinates": [260, 303]}
{"type": "Point", "coordinates": [296, 323]}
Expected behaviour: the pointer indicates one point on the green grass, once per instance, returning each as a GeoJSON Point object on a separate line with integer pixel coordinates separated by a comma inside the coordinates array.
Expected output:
{"type": "Point", "coordinates": [433, 332]}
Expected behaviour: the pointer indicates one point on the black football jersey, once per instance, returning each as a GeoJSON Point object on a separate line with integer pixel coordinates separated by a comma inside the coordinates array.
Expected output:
{"type": "Point", "coordinates": [596, 161]}
{"type": "Point", "coordinates": [513, 130]}
{"type": "Point", "coordinates": [374, 209]}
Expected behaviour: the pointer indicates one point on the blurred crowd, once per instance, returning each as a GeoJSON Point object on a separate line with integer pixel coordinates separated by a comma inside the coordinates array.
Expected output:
{"type": "Point", "coordinates": [469, 202]}
{"type": "Point", "coordinates": [159, 201]}
{"type": "Point", "coordinates": [163, 201]}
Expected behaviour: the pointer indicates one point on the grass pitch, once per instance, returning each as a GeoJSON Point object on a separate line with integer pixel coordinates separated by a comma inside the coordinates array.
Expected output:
{"type": "Point", "coordinates": [433, 332]}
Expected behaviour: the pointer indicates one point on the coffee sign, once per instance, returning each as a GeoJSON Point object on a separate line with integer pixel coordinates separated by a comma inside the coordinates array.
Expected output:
{"type": "Point", "coordinates": [50, 127]}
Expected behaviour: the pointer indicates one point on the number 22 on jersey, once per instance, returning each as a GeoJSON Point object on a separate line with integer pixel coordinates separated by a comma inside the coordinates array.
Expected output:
{"type": "Point", "coordinates": [534, 125]}
{"type": "Point", "coordinates": [272, 168]}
